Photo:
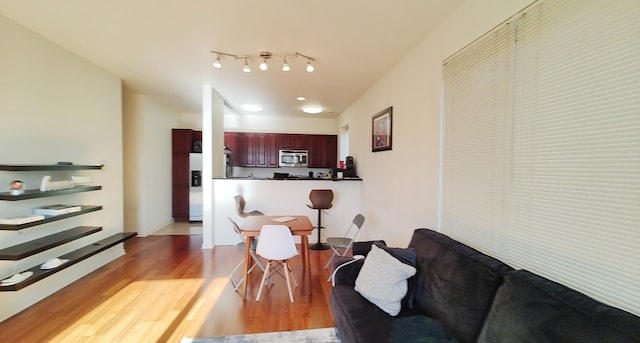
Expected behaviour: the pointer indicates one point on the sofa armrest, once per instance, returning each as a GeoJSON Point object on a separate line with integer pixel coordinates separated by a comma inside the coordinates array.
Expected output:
{"type": "Point", "coordinates": [346, 270]}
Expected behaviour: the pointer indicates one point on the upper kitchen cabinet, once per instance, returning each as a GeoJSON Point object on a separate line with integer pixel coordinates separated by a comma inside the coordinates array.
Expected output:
{"type": "Point", "coordinates": [235, 141]}
{"type": "Point", "coordinates": [249, 142]}
{"type": "Point", "coordinates": [293, 141]}
{"type": "Point", "coordinates": [253, 149]}
{"type": "Point", "coordinates": [267, 150]}
{"type": "Point", "coordinates": [250, 149]}
{"type": "Point", "coordinates": [323, 151]}
{"type": "Point", "coordinates": [184, 141]}
{"type": "Point", "coordinates": [230, 140]}
{"type": "Point", "coordinates": [181, 141]}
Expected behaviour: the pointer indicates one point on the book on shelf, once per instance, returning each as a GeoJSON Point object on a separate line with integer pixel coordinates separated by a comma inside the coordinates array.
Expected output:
{"type": "Point", "coordinates": [57, 209]}
{"type": "Point", "coordinates": [21, 219]}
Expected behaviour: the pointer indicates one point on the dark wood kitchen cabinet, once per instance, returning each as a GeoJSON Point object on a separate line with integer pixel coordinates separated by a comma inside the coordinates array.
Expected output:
{"type": "Point", "coordinates": [182, 143]}
{"type": "Point", "coordinates": [251, 149]}
{"type": "Point", "coordinates": [266, 150]}
{"type": "Point", "coordinates": [292, 141]}
{"type": "Point", "coordinates": [249, 143]}
{"type": "Point", "coordinates": [230, 140]}
{"type": "Point", "coordinates": [323, 151]}
{"type": "Point", "coordinates": [235, 141]}
{"type": "Point", "coordinates": [273, 150]}
{"type": "Point", "coordinates": [262, 150]}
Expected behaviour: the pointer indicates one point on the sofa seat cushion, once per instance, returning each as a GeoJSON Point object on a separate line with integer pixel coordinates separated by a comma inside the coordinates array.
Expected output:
{"type": "Point", "coordinates": [455, 283]}
{"type": "Point", "coordinates": [530, 308]}
{"type": "Point", "coordinates": [418, 329]}
{"type": "Point", "coordinates": [360, 321]}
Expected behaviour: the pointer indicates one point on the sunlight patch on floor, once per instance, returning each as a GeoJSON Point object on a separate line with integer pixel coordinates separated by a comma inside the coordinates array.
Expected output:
{"type": "Point", "coordinates": [144, 310]}
{"type": "Point", "coordinates": [194, 320]}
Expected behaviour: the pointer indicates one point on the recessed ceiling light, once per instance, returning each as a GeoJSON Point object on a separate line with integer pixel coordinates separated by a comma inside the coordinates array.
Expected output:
{"type": "Point", "coordinates": [252, 107]}
{"type": "Point", "coordinates": [312, 109]}
{"type": "Point", "coordinates": [301, 98]}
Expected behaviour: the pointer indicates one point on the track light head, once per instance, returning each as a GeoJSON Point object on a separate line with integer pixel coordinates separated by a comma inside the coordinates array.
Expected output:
{"type": "Point", "coordinates": [263, 65]}
{"type": "Point", "coordinates": [285, 65]}
{"type": "Point", "coordinates": [310, 67]}
{"type": "Point", "coordinates": [217, 63]}
{"type": "Point", "coordinates": [246, 68]}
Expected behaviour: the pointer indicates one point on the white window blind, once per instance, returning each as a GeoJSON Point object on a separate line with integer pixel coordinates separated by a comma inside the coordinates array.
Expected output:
{"type": "Point", "coordinates": [541, 145]}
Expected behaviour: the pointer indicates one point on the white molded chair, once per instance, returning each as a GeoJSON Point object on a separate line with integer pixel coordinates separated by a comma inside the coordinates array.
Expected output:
{"type": "Point", "coordinates": [340, 245]}
{"type": "Point", "coordinates": [277, 246]}
{"type": "Point", "coordinates": [252, 252]}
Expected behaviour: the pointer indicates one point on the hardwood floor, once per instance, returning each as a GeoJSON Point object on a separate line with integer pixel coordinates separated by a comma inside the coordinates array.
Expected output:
{"type": "Point", "coordinates": [166, 288]}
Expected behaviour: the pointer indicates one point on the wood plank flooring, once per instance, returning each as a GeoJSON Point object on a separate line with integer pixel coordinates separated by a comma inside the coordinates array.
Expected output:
{"type": "Point", "coordinates": [166, 288]}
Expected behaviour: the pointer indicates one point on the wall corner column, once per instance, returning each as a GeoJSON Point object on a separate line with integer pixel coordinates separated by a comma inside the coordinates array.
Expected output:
{"type": "Point", "coordinates": [212, 157]}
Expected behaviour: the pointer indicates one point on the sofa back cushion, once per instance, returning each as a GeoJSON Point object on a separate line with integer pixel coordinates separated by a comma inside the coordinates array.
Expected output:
{"type": "Point", "coordinates": [530, 308]}
{"type": "Point", "coordinates": [455, 283]}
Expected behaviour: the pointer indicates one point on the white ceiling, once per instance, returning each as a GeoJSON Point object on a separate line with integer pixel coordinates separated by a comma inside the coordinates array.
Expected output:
{"type": "Point", "coordinates": [161, 47]}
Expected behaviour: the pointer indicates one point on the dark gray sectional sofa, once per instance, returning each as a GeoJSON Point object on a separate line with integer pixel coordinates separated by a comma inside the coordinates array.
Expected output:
{"type": "Point", "coordinates": [459, 294]}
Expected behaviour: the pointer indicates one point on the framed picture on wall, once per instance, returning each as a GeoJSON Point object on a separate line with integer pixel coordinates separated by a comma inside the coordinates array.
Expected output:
{"type": "Point", "coordinates": [381, 132]}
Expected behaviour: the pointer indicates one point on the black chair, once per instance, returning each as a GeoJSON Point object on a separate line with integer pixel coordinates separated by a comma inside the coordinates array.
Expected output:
{"type": "Point", "coordinates": [320, 200]}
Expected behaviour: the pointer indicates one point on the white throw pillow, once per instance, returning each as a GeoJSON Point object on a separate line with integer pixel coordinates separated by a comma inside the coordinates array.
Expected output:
{"type": "Point", "coordinates": [383, 280]}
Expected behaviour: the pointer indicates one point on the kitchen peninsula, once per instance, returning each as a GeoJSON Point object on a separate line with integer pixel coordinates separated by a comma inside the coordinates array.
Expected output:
{"type": "Point", "coordinates": [288, 196]}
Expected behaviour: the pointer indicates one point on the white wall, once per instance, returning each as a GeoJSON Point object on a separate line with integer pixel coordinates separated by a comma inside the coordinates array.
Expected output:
{"type": "Point", "coordinates": [400, 187]}
{"type": "Point", "coordinates": [147, 152]}
{"type": "Point", "coordinates": [257, 123]}
{"type": "Point", "coordinates": [191, 121]}
{"type": "Point", "coordinates": [56, 106]}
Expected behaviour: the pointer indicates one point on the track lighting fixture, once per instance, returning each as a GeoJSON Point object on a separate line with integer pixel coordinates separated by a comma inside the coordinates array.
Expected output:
{"type": "Point", "coordinates": [217, 63]}
{"type": "Point", "coordinates": [265, 56]}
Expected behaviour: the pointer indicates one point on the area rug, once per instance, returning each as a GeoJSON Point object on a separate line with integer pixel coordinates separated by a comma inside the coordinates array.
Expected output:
{"type": "Point", "coordinates": [326, 335]}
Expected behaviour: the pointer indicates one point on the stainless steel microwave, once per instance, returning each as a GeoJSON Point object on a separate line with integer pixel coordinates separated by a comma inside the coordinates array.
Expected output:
{"type": "Point", "coordinates": [293, 158]}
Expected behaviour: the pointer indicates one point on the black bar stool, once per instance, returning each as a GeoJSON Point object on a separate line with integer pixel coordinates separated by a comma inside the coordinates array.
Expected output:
{"type": "Point", "coordinates": [320, 200]}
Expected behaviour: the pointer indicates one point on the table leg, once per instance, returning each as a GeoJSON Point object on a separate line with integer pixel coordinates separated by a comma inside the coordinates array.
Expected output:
{"type": "Point", "coordinates": [304, 240]}
{"type": "Point", "coordinates": [247, 264]}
